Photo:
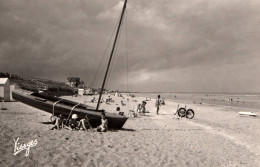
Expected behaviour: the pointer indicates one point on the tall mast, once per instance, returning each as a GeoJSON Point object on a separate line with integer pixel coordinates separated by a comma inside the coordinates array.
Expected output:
{"type": "Point", "coordinates": [111, 54]}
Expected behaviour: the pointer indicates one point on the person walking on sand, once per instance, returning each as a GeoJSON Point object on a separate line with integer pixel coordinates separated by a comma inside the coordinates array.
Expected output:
{"type": "Point", "coordinates": [157, 104]}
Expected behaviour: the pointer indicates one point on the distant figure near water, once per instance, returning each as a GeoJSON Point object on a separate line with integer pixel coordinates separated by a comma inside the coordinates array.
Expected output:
{"type": "Point", "coordinates": [157, 104]}
{"type": "Point", "coordinates": [93, 100]}
{"type": "Point", "coordinates": [122, 103]}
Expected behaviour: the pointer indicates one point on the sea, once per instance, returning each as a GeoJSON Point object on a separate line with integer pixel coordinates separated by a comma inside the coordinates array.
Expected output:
{"type": "Point", "coordinates": [245, 100]}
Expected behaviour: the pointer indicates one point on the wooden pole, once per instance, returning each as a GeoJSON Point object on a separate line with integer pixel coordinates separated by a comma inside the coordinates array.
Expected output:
{"type": "Point", "coordinates": [111, 54]}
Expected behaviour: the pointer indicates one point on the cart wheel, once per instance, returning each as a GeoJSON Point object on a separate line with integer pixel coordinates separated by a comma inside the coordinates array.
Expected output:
{"type": "Point", "coordinates": [190, 113]}
{"type": "Point", "coordinates": [181, 112]}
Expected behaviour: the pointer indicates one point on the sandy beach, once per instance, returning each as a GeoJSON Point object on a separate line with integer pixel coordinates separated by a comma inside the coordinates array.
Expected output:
{"type": "Point", "coordinates": [200, 55]}
{"type": "Point", "coordinates": [216, 136]}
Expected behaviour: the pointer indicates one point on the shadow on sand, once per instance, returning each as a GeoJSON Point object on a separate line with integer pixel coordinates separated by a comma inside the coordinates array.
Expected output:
{"type": "Point", "coordinates": [123, 129]}
{"type": "Point", "coordinates": [48, 123]}
{"type": "Point", "coordinates": [166, 114]}
{"type": "Point", "coordinates": [146, 116]}
{"type": "Point", "coordinates": [170, 129]}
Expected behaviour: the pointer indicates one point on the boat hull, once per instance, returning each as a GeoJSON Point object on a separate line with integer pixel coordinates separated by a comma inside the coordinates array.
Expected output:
{"type": "Point", "coordinates": [46, 102]}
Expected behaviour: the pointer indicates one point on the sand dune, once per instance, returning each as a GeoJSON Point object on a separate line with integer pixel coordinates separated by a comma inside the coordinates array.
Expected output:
{"type": "Point", "coordinates": [217, 136]}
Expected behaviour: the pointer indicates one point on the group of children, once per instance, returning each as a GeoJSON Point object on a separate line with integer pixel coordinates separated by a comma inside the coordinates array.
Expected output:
{"type": "Point", "coordinates": [83, 124]}
{"type": "Point", "coordinates": [141, 110]}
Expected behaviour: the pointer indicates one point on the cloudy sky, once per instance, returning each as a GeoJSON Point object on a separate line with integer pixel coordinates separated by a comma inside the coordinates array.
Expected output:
{"type": "Point", "coordinates": [166, 45]}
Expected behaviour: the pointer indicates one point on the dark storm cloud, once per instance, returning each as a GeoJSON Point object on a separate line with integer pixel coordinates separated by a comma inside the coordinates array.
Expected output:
{"type": "Point", "coordinates": [49, 38]}
{"type": "Point", "coordinates": [199, 34]}
{"type": "Point", "coordinates": [213, 43]}
{"type": "Point", "coordinates": [200, 45]}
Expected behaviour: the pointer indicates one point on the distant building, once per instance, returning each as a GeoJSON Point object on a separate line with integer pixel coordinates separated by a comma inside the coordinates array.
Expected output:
{"type": "Point", "coordinates": [6, 89]}
{"type": "Point", "coordinates": [80, 92]}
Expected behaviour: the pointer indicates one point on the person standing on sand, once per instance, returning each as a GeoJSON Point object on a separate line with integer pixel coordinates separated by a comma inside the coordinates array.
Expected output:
{"type": "Point", "coordinates": [157, 104]}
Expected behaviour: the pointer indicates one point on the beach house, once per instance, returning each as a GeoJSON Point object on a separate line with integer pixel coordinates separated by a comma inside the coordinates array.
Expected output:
{"type": "Point", "coordinates": [6, 89]}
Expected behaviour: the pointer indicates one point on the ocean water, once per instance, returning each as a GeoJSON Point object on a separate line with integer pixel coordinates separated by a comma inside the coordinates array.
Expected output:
{"type": "Point", "coordinates": [226, 99]}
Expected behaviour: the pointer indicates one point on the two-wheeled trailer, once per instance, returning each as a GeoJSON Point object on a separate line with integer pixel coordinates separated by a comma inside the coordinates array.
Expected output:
{"type": "Point", "coordinates": [183, 112]}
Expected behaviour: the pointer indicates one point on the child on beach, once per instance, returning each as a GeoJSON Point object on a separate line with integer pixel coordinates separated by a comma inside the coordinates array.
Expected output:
{"type": "Point", "coordinates": [104, 123]}
{"type": "Point", "coordinates": [73, 123]}
{"type": "Point", "coordinates": [143, 109]}
{"type": "Point", "coordinates": [93, 100]}
{"type": "Point", "coordinates": [139, 108]}
{"type": "Point", "coordinates": [118, 111]}
{"type": "Point", "coordinates": [162, 102]}
{"type": "Point", "coordinates": [84, 124]}
{"type": "Point", "coordinates": [132, 113]}
{"type": "Point", "coordinates": [122, 103]}
{"type": "Point", "coordinates": [59, 123]}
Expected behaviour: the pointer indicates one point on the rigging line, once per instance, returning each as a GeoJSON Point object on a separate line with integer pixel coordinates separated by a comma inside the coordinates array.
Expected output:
{"type": "Point", "coordinates": [111, 54]}
{"type": "Point", "coordinates": [115, 56]}
{"type": "Point", "coordinates": [113, 61]}
{"type": "Point", "coordinates": [127, 101]}
{"type": "Point", "coordinates": [126, 54]}
{"type": "Point", "coordinates": [102, 57]}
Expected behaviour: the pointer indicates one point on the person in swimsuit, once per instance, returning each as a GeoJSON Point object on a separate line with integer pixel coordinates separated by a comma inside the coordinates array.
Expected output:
{"type": "Point", "coordinates": [157, 104]}
{"type": "Point", "coordinates": [143, 109]}
{"type": "Point", "coordinates": [73, 123]}
{"type": "Point", "coordinates": [104, 124]}
{"type": "Point", "coordinates": [84, 124]}
{"type": "Point", "coordinates": [59, 123]}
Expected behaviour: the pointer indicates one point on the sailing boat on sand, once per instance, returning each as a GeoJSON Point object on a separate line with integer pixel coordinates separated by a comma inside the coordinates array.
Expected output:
{"type": "Point", "coordinates": [66, 107]}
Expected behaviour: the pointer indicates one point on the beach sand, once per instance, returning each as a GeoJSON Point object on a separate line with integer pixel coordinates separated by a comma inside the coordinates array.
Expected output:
{"type": "Point", "coordinates": [216, 136]}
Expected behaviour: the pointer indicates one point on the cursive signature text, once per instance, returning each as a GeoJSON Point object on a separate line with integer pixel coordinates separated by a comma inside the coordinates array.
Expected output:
{"type": "Point", "coordinates": [20, 147]}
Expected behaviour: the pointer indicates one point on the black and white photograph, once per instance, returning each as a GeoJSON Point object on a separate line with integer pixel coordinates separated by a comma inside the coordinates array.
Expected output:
{"type": "Point", "coordinates": [129, 83]}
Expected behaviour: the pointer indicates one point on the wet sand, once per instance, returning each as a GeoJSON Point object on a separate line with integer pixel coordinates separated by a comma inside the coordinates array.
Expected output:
{"type": "Point", "coordinates": [217, 136]}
